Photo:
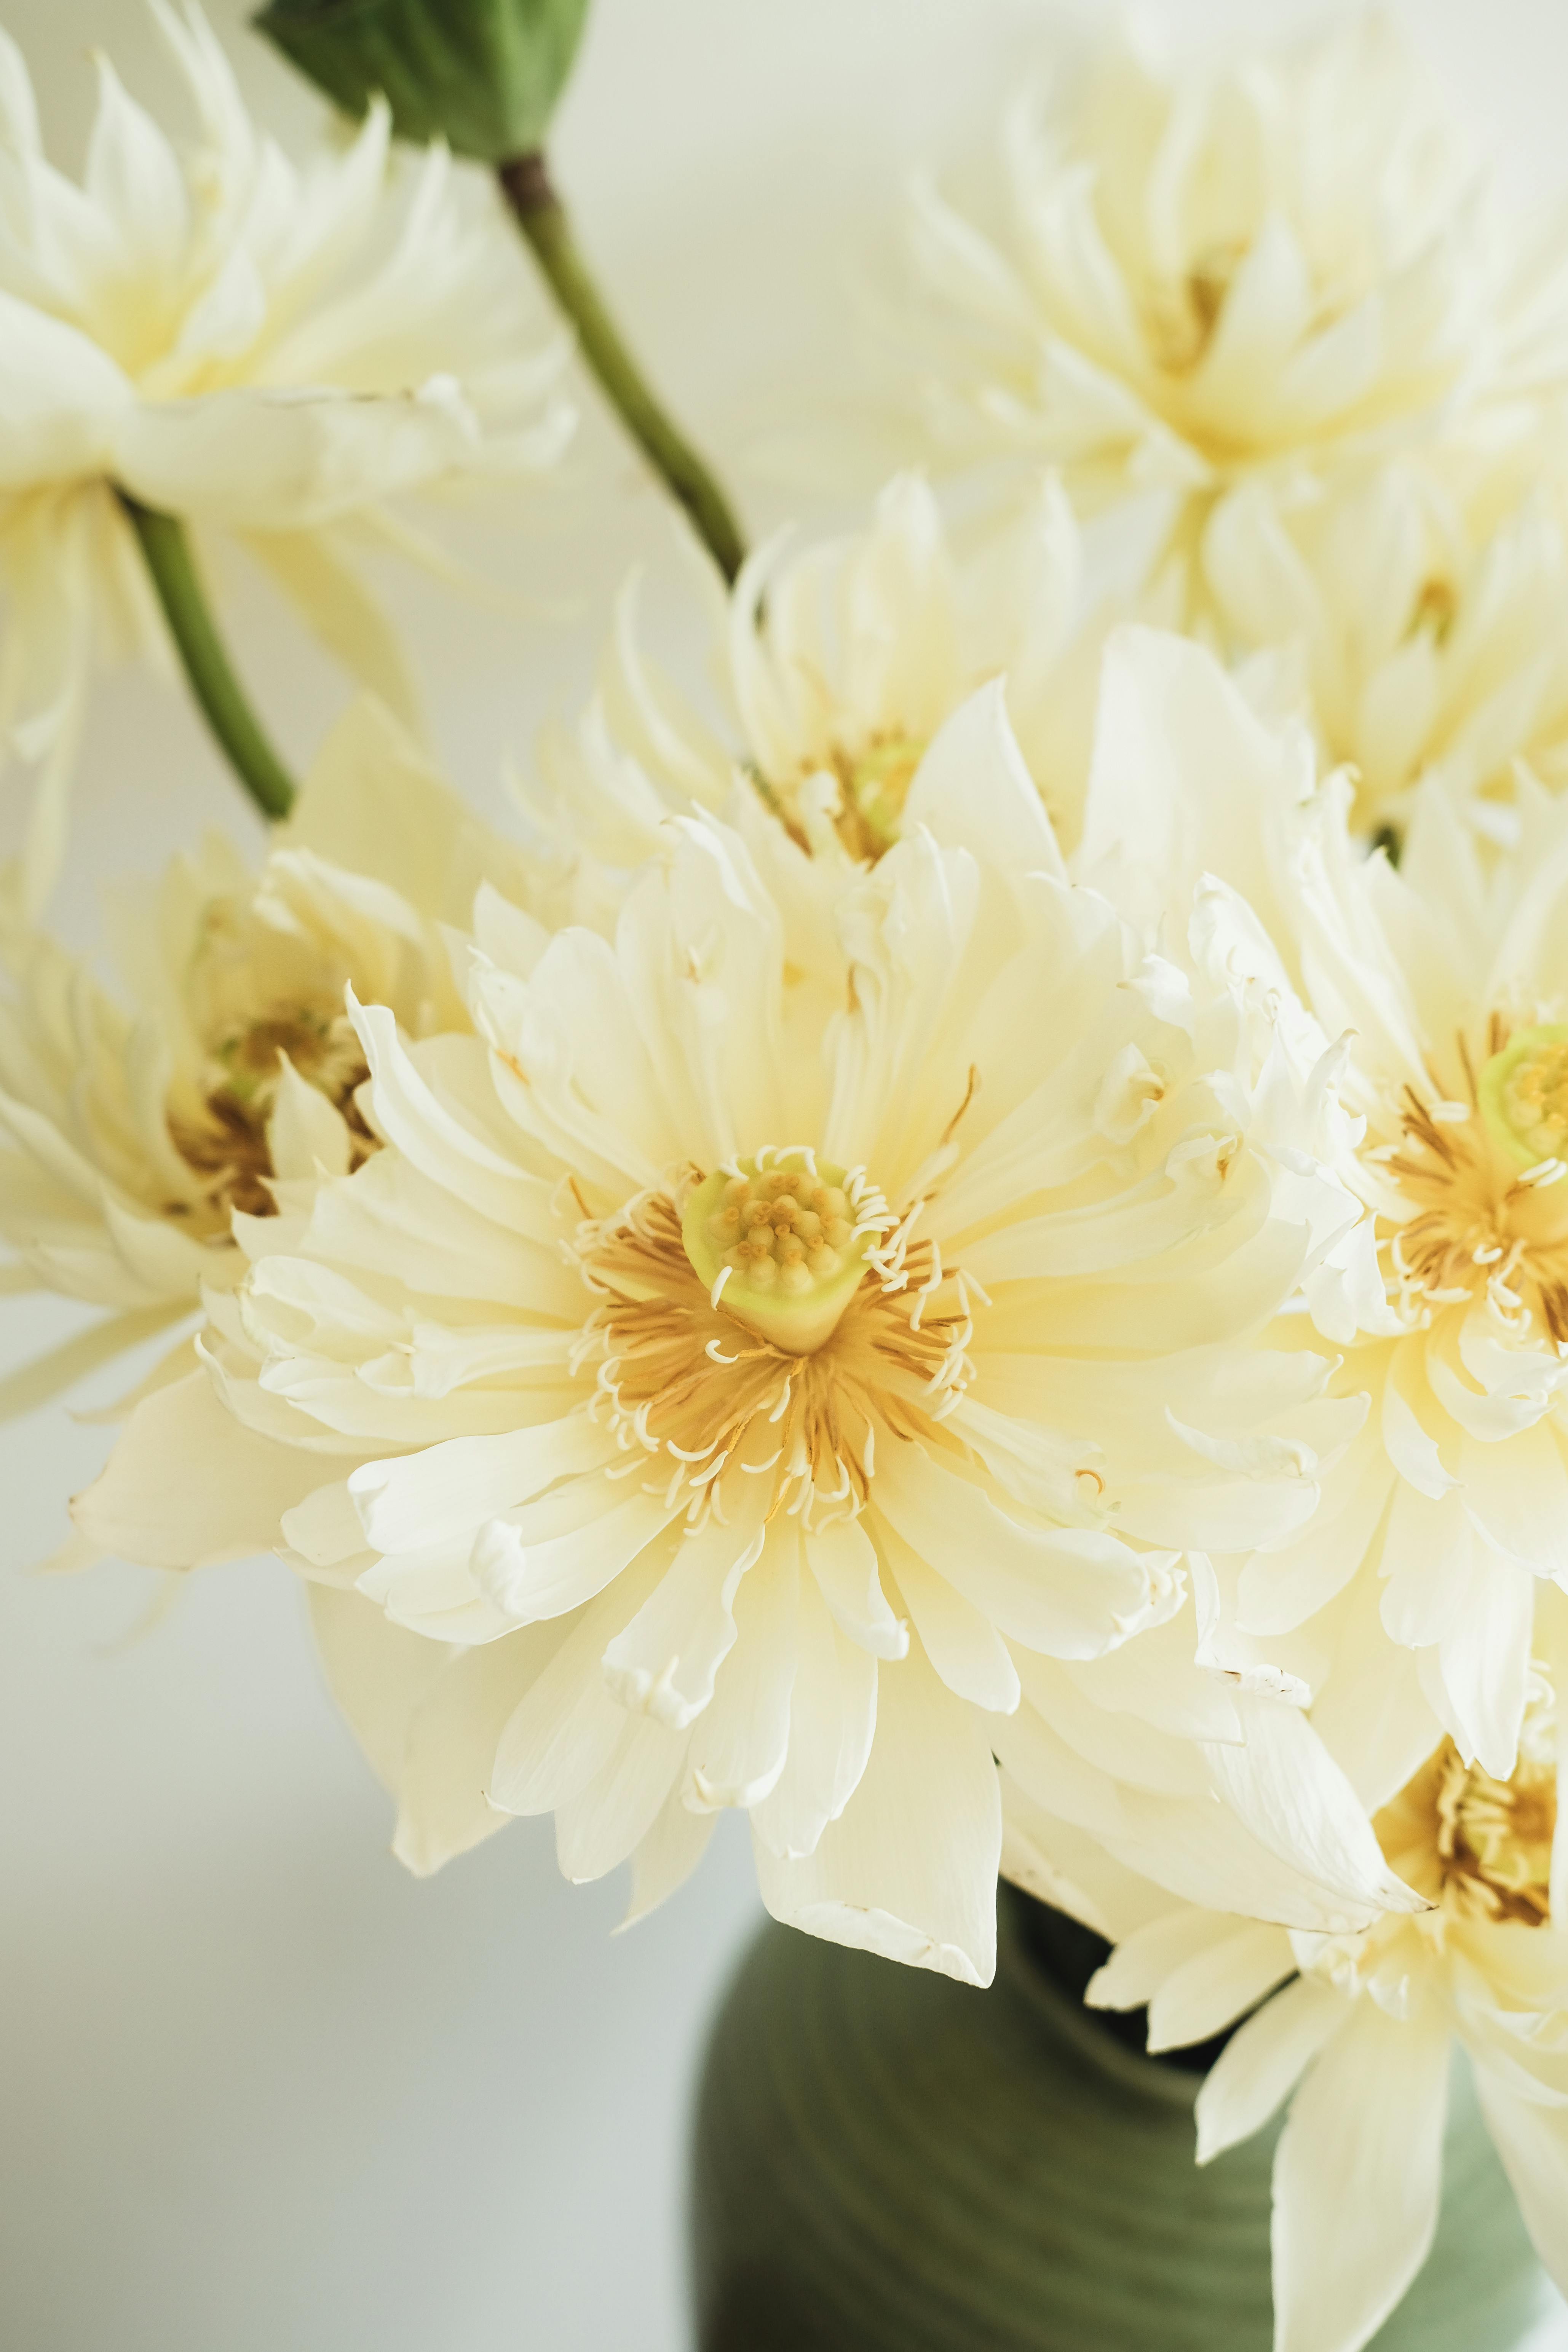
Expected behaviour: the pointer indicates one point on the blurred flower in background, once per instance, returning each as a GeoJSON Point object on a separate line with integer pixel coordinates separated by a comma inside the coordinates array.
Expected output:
{"type": "Point", "coordinates": [1267, 273]}
{"type": "Point", "coordinates": [1422, 633]}
{"type": "Point", "coordinates": [141, 1132]}
{"type": "Point", "coordinates": [227, 337]}
{"type": "Point", "coordinates": [839, 662]}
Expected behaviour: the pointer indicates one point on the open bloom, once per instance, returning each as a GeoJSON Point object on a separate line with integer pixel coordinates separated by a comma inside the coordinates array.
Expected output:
{"type": "Point", "coordinates": [839, 662]}
{"type": "Point", "coordinates": [1447, 1518]}
{"type": "Point", "coordinates": [1370, 2020]}
{"type": "Point", "coordinates": [135, 1132]}
{"type": "Point", "coordinates": [1451, 1298]}
{"type": "Point", "coordinates": [270, 350]}
{"type": "Point", "coordinates": [761, 1380]}
{"type": "Point", "coordinates": [1430, 632]}
{"type": "Point", "coordinates": [1267, 271]}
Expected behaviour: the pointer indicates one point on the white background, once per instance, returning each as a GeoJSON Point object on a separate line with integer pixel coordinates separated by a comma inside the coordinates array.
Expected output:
{"type": "Point", "coordinates": [259, 2091]}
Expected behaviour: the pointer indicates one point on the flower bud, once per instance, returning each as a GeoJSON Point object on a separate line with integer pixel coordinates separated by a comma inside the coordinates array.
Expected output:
{"type": "Point", "coordinates": [484, 75]}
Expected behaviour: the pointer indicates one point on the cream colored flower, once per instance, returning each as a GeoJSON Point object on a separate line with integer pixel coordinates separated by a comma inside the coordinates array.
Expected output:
{"type": "Point", "coordinates": [134, 1131]}
{"type": "Point", "coordinates": [1370, 2020]}
{"type": "Point", "coordinates": [839, 662]}
{"type": "Point", "coordinates": [768, 1383]}
{"type": "Point", "coordinates": [1446, 1519]}
{"type": "Point", "coordinates": [1451, 1301]}
{"type": "Point", "coordinates": [1432, 639]}
{"type": "Point", "coordinates": [268, 349]}
{"type": "Point", "coordinates": [1271, 270]}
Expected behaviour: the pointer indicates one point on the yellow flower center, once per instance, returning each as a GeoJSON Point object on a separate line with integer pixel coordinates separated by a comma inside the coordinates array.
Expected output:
{"type": "Point", "coordinates": [1434, 609]}
{"type": "Point", "coordinates": [876, 785]}
{"type": "Point", "coordinates": [257, 991]}
{"type": "Point", "coordinates": [222, 1135]}
{"type": "Point", "coordinates": [1479, 1847]}
{"type": "Point", "coordinates": [1182, 318]}
{"type": "Point", "coordinates": [1485, 1207]}
{"type": "Point", "coordinates": [322, 1048]}
{"type": "Point", "coordinates": [794, 1376]}
{"type": "Point", "coordinates": [873, 782]}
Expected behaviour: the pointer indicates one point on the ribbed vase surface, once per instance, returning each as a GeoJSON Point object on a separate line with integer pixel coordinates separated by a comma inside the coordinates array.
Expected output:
{"type": "Point", "coordinates": [885, 2158]}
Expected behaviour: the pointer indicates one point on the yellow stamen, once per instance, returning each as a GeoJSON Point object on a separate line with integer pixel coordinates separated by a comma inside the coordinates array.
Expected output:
{"type": "Point", "coordinates": [222, 1132]}
{"type": "Point", "coordinates": [1480, 1848]}
{"type": "Point", "coordinates": [680, 1377]}
{"type": "Point", "coordinates": [1485, 1207]}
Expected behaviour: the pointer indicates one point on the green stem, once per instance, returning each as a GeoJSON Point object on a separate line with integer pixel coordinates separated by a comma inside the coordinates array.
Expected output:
{"type": "Point", "coordinates": [543, 220]}
{"type": "Point", "coordinates": [206, 665]}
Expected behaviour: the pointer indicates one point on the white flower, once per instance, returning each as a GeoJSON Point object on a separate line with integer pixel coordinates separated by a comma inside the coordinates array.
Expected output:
{"type": "Point", "coordinates": [839, 662]}
{"type": "Point", "coordinates": [769, 1382]}
{"type": "Point", "coordinates": [132, 1134]}
{"type": "Point", "coordinates": [1432, 636]}
{"type": "Point", "coordinates": [1451, 1299]}
{"type": "Point", "coordinates": [1447, 1518]}
{"type": "Point", "coordinates": [270, 350]}
{"type": "Point", "coordinates": [1268, 270]}
{"type": "Point", "coordinates": [1370, 2020]}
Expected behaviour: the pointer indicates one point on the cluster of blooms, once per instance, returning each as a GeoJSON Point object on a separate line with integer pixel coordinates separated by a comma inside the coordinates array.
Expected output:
{"type": "Point", "coordinates": [954, 1260]}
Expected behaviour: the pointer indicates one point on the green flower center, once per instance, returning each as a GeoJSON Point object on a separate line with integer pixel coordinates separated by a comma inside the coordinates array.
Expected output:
{"type": "Point", "coordinates": [1524, 1095]}
{"type": "Point", "coordinates": [779, 1239]}
{"type": "Point", "coordinates": [876, 785]}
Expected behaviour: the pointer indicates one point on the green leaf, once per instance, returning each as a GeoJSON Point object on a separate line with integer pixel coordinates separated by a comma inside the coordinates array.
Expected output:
{"type": "Point", "coordinates": [484, 75]}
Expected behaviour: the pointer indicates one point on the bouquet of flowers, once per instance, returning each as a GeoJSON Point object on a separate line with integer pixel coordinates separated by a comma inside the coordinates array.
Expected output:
{"type": "Point", "coordinates": [959, 1243]}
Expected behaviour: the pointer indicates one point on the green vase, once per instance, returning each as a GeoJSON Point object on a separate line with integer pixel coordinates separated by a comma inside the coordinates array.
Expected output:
{"type": "Point", "coordinates": [886, 2158]}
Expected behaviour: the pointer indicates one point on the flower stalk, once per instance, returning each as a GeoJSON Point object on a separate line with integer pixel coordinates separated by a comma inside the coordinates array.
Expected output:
{"type": "Point", "coordinates": [204, 660]}
{"type": "Point", "coordinates": [540, 216]}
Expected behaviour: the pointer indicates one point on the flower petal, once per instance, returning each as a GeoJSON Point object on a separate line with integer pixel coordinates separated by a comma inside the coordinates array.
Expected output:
{"type": "Point", "coordinates": [910, 1867]}
{"type": "Point", "coordinates": [1262, 2062]}
{"type": "Point", "coordinates": [1357, 2179]}
{"type": "Point", "coordinates": [1532, 2141]}
{"type": "Point", "coordinates": [843, 1559]}
{"type": "Point", "coordinates": [188, 1487]}
{"type": "Point", "coordinates": [832, 1722]}
{"type": "Point", "coordinates": [446, 1490]}
{"type": "Point", "coordinates": [738, 1746]}
{"type": "Point", "coordinates": [1069, 1591]}
{"type": "Point", "coordinates": [960, 1640]}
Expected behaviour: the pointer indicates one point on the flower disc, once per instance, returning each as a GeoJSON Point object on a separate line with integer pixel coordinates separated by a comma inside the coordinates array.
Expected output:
{"type": "Point", "coordinates": [781, 1238]}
